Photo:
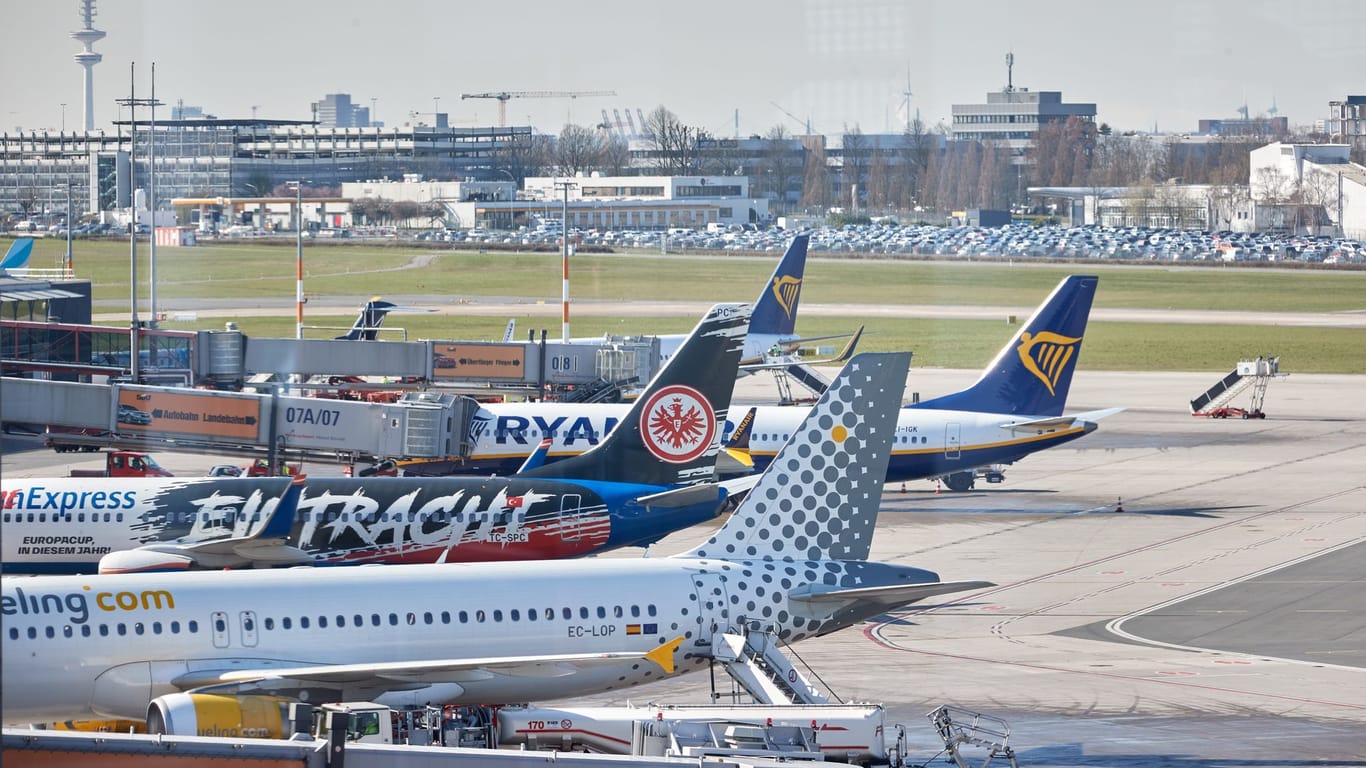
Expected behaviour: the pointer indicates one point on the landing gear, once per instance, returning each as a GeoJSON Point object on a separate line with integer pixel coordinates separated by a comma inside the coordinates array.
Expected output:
{"type": "Point", "coordinates": [960, 481]}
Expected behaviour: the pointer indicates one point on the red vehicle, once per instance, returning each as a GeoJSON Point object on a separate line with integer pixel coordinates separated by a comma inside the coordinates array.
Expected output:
{"type": "Point", "coordinates": [1232, 413]}
{"type": "Point", "coordinates": [125, 464]}
{"type": "Point", "coordinates": [261, 468]}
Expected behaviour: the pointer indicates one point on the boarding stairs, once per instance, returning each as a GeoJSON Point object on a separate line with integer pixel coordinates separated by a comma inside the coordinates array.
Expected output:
{"type": "Point", "coordinates": [804, 375]}
{"type": "Point", "coordinates": [755, 662]}
{"type": "Point", "coordinates": [960, 728]}
{"type": "Point", "coordinates": [1254, 374]}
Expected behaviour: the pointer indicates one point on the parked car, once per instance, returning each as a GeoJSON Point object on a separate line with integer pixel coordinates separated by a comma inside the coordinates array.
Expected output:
{"type": "Point", "coordinates": [225, 470]}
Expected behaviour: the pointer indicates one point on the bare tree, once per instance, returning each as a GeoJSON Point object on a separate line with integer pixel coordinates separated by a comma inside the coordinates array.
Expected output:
{"type": "Point", "coordinates": [815, 179]}
{"type": "Point", "coordinates": [853, 178]}
{"type": "Point", "coordinates": [616, 155]}
{"type": "Point", "coordinates": [675, 144]}
{"type": "Point", "coordinates": [777, 171]}
{"type": "Point", "coordinates": [577, 149]}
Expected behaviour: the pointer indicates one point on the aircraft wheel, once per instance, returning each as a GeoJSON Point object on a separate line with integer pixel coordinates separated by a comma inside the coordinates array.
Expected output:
{"type": "Point", "coordinates": [960, 481]}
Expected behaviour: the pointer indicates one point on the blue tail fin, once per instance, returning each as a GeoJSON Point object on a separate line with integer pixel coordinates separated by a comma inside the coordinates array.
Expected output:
{"type": "Point", "coordinates": [1031, 375]}
{"type": "Point", "coordinates": [673, 432]}
{"type": "Point", "coordinates": [19, 252]}
{"type": "Point", "coordinates": [366, 327]}
{"type": "Point", "coordinates": [776, 310]}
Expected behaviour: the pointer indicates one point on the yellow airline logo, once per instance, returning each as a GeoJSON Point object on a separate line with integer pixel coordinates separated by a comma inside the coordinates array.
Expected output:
{"type": "Point", "coordinates": [785, 290]}
{"type": "Point", "coordinates": [1046, 355]}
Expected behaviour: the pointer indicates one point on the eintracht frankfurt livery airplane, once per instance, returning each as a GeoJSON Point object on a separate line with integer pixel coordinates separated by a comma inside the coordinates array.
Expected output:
{"type": "Point", "coordinates": [1014, 409]}
{"type": "Point", "coordinates": [653, 475]}
{"type": "Point", "coordinates": [792, 556]}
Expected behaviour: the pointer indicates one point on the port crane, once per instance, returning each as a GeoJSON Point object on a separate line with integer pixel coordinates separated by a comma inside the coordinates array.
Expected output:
{"type": "Point", "coordinates": [504, 96]}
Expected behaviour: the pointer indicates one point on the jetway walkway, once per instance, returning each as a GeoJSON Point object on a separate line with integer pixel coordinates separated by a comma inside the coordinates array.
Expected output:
{"type": "Point", "coordinates": [1252, 374]}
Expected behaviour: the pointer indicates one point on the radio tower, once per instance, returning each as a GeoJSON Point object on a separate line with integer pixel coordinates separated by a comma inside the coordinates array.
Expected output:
{"type": "Point", "coordinates": [87, 58]}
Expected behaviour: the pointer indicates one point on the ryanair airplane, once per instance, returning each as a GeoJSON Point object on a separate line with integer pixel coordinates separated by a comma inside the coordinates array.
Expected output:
{"type": "Point", "coordinates": [654, 474]}
{"type": "Point", "coordinates": [792, 556]}
{"type": "Point", "coordinates": [1014, 409]}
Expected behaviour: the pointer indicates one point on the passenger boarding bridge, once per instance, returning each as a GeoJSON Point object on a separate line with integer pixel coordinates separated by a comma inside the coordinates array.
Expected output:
{"type": "Point", "coordinates": [279, 397]}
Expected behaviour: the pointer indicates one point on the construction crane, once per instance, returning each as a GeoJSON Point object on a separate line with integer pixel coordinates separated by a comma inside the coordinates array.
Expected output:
{"type": "Point", "coordinates": [504, 96]}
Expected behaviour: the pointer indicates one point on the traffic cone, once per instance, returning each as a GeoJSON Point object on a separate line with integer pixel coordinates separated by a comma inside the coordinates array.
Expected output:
{"type": "Point", "coordinates": [903, 487]}
{"type": "Point", "coordinates": [936, 487]}
{"type": "Point", "coordinates": [1119, 504]}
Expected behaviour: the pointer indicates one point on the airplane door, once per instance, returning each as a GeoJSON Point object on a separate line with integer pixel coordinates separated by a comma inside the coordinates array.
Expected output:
{"type": "Point", "coordinates": [713, 611]}
{"type": "Point", "coordinates": [248, 628]}
{"type": "Point", "coordinates": [219, 620]}
{"type": "Point", "coordinates": [571, 519]}
{"type": "Point", "coordinates": [953, 440]}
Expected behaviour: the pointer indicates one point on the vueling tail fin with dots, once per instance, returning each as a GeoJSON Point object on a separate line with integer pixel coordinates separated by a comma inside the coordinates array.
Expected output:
{"type": "Point", "coordinates": [1031, 375]}
{"type": "Point", "coordinates": [672, 434]}
{"type": "Point", "coordinates": [819, 498]}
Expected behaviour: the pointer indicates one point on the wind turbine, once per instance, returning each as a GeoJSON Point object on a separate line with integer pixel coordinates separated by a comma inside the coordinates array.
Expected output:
{"type": "Point", "coordinates": [906, 100]}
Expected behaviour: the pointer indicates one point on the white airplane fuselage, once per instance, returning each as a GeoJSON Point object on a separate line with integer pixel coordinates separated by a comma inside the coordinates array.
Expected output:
{"type": "Point", "coordinates": [105, 646]}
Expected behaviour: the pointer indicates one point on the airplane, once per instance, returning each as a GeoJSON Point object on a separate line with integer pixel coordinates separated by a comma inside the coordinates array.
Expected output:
{"type": "Point", "coordinates": [793, 556]}
{"type": "Point", "coordinates": [371, 318]}
{"type": "Point", "coordinates": [18, 254]}
{"type": "Point", "coordinates": [1015, 407]}
{"type": "Point", "coordinates": [652, 476]}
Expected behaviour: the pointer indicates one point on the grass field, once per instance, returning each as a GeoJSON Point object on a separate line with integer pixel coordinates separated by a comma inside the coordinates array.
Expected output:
{"type": "Point", "coordinates": [253, 269]}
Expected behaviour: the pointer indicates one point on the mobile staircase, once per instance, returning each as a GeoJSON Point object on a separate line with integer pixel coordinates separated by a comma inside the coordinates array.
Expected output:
{"type": "Point", "coordinates": [960, 728]}
{"type": "Point", "coordinates": [755, 662]}
{"type": "Point", "coordinates": [804, 375]}
{"type": "Point", "coordinates": [1252, 374]}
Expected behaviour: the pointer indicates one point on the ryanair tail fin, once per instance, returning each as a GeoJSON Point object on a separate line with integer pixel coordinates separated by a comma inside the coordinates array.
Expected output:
{"type": "Point", "coordinates": [819, 498]}
{"type": "Point", "coordinates": [1032, 374]}
{"type": "Point", "coordinates": [18, 255]}
{"type": "Point", "coordinates": [775, 312]}
{"type": "Point", "coordinates": [672, 433]}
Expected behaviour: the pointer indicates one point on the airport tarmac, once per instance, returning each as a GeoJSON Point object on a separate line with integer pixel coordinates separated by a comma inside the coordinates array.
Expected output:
{"type": "Point", "coordinates": [1219, 619]}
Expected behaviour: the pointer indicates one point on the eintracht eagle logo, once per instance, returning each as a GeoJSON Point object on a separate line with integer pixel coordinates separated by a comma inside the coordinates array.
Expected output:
{"type": "Point", "coordinates": [677, 424]}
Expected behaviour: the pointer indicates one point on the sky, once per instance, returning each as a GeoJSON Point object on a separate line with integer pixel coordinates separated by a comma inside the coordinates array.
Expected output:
{"type": "Point", "coordinates": [837, 64]}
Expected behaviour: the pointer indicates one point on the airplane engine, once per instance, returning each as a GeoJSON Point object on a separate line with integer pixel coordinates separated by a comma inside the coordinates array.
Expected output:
{"type": "Point", "coordinates": [144, 561]}
{"type": "Point", "coordinates": [205, 714]}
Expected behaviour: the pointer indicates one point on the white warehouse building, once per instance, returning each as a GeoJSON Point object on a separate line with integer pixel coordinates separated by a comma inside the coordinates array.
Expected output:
{"type": "Point", "coordinates": [1309, 188]}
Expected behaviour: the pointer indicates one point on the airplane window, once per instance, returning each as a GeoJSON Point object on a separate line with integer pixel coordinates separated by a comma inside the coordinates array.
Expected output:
{"type": "Point", "coordinates": [118, 517]}
{"type": "Point", "coordinates": [5, 518]}
{"type": "Point", "coordinates": [412, 619]}
{"type": "Point", "coordinates": [650, 609]}
{"type": "Point", "coordinates": [393, 619]}
{"type": "Point", "coordinates": [515, 615]}
{"type": "Point", "coordinates": [285, 623]}
{"type": "Point", "coordinates": [427, 617]}
{"type": "Point", "coordinates": [617, 612]}
{"type": "Point", "coordinates": [479, 616]}
{"type": "Point", "coordinates": [14, 633]}
{"type": "Point", "coordinates": [33, 633]}
{"type": "Point", "coordinates": [50, 632]}
{"type": "Point", "coordinates": [122, 629]}
{"type": "Point", "coordinates": [635, 611]}
{"type": "Point", "coordinates": [322, 622]}
{"type": "Point", "coordinates": [219, 625]}
{"type": "Point", "coordinates": [85, 631]}
{"type": "Point", "coordinates": [104, 630]}
{"type": "Point", "coordinates": [583, 612]}
{"type": "Point", "coordinates": [445, 617]}
{"type": "Point", "coordinates": [497, 614]}
{"type": "Point", "coordinates": [270, 623]}
{"type": "Point", "coordinates": [530, 614]}
{"type": "Point", "coordinates": [341, 620]}
{"type": "Point", "coordinates": [30, 517]}
{"type": "Point", "coordinates": [42, 517]}
{"type": "Point", "coordinates": [550, 614]}
{"type": "Point", "coordinates": [175, 627]}
{"type": "Point", "coordinates": [374, 619]}
{"type": "Point", "coordinates": [67, 631]}
{"type": "Point", "coordinates": [80, 517]}
{"type": "Point", "coordinates": [359, 620]}
{"type": "Point", "coordinates": [464, 618]}
{"type": "Point", "coordinates": [568, 613]}
{"type": "Point", "coordinates": [602, 612]}
{"type": "Point", "coordinates": [137, 628]}
{"type": "Point", "coordinates": [156, 627]}
{"type": "Point", "coordinates": [303, 622]}
{"type": "Point", "coordinates": [192, 627]}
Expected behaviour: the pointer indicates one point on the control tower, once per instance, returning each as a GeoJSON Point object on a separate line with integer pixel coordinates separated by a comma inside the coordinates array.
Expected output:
{"type": "Point", "coordinates": [88, 35]}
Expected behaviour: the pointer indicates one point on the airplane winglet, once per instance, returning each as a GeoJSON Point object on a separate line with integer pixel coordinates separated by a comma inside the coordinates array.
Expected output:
{"type": "Point", "coordinates": [664, 655]}
{"type": "Point", "coordinates": [537, 457]}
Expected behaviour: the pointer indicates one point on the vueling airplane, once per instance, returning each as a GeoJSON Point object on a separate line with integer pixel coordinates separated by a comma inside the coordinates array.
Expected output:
{"type": "Point", "coordinates": [1014, 409]}
{"type": "Point", "coordinates": [792, 556]}
{"type": "Point", "coordinates": [654, 474]}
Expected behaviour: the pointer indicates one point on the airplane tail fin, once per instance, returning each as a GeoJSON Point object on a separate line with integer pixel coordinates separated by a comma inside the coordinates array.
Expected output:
{"type": "Point", "coordinates": [367, 325]}
{"type": "Point", "coordinates": [1033, 372]}
{"type": "Point", "coordinates": [18, 254]}
{"type": "Point", "coordinates": [819, 498]}
{"type": "Point", "coordinates": [776, 310]}
{"type": "Point", "coordinates": [672, 433]}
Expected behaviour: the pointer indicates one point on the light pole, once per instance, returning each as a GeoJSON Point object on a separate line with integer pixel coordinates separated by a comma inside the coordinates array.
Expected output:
{"type": "Point", "coordinates": [64, 117]}
{"type": "Point", "coordinates": [68, 265]}
{"type": "Point", "coordinates": [298, 259]}
{"type": "Point", "coordinates": [564, 257]}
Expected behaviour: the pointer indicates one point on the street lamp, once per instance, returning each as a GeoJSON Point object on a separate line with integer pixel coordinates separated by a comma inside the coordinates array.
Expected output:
{"type": "Point", "coordinates": [68, 265]}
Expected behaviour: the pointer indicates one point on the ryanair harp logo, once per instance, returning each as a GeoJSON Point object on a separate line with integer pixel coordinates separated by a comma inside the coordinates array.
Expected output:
{"type": "Point", "coordinates": [1046, 355]}
{"type": "Point", "coordinates": [785, 290]}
